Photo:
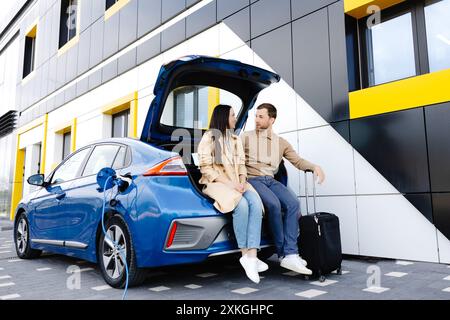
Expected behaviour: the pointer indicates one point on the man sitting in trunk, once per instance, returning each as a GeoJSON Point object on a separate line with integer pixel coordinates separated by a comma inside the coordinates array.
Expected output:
{"type": "Point", "coordinates": [264, 151]}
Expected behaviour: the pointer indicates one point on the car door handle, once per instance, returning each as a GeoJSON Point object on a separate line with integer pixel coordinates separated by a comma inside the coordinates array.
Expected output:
{"type": "Point", "coordinates": [60, 196]}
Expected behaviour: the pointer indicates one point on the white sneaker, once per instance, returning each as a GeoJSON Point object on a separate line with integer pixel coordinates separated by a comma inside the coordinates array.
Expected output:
{"type": "Point", "coordinates": [261, 266]}
{"type": "Point", "coordinates": [293, 263]}
{"type": "Point", "coordinates": [301, 260]}
{"type": "Point", "coordinates": [250, 267]}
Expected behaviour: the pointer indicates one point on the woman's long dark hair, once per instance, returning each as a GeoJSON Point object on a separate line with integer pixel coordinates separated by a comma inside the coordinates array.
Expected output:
{"type": "Point", "coordinates": [219, 118]}
{"type": "Point", "coordinates": [219, 125]}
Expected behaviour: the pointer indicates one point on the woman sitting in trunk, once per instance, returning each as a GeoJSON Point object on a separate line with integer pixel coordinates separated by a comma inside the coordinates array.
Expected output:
{"type": "Point", "coordinates": [222, 164]}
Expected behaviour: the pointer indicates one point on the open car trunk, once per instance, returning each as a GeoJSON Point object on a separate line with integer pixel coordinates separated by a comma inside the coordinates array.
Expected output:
{"type": "Point", "coordinates": [186, 92]}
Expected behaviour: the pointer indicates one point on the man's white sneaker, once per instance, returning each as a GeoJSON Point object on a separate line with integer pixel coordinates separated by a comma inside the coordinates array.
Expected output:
{"type": "Point", "coordinates": [261, 266]}
{"type": "Point", "coordinates": [293, 263]}
{"type": "Point", "coordinates": [250, 266]}
{"type": "Point", "coordinates": [301, 260]}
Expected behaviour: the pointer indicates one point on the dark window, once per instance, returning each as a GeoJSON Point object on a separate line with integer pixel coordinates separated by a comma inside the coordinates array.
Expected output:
{"type": "Point", "coordinates": [351, 40]}
{"type": "Point", "coordinates": [102, 157]}
{"type": "Point", "coordinates": [110, 3]}
{"type": "Point", "coordinates": [69, 169]}
{"type": "Point", "coordinates": [412, 38]}
{"type": "Point", "coordinates": [437, 20]}
{"type": "Point", "coordinates": [68, 21]}
{"type": "Point", "coordinates": [29, 56]}
{"type": "Point", "coordinates": [120, 124]}
{"type": "Point", "coordinates": [67, 137]}
{"type": "Point", "coordinates": [390, 49]}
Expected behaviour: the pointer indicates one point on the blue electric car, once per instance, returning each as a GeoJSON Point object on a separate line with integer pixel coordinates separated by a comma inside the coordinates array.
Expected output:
{"type": "Point", "coordinates": [161, 216]}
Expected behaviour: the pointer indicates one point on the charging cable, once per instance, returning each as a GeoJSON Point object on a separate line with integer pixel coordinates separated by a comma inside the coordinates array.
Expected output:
{"type": "Point", "coordinates": [120, 184]}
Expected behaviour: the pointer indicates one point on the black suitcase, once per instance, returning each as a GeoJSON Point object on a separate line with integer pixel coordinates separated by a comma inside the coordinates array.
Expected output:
{"type": "Point", "coordinates": [320, 239]}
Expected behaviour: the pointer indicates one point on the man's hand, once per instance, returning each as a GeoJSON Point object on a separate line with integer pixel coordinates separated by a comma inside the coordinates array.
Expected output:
{"type": "Point", "coordinates": [318, 172]}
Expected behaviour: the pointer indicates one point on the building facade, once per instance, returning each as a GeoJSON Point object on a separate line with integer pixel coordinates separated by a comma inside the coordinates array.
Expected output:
{"type": "Point", "coordinates": [364, 93]}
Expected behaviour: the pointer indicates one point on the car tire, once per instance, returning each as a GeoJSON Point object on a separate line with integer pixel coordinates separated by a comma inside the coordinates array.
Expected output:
{"type": "Point", "coordinates": [22, 239]}
{"type": "Point", "coordinates": [110, 259]}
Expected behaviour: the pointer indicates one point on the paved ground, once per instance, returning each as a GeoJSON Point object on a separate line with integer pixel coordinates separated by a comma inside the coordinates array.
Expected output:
{"type": "Point", "coordinates": [52, 277]}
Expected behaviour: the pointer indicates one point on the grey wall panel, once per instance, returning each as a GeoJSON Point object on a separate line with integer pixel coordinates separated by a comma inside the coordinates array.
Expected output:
{"type": "Point", "coordinates": [422, 202]}
{"type": "Point", "coordinates": [36, 86]}
{"type": "Point", "coordinates": [70, 93]}
{"type": "Point", "coordinates": [109, 71]}
{"type": "Point", "coordinates": [173, 35]}
{"type": "Point", "coordinates": [96, 47]}
{"type": "Point", "coordinates": [127, 61]}
{"type": "Point", "coordinates": [52, 74]}
{"type": "Point", "coordinates": [395, 144]}
{"type": "Point", "coordinates": [82, 86]}
{"type": "Point", "coordinates": [95, 79]}
{"type": "Point", "coordinates": [149, 49]}
{"type": "Point", "coordinates": [18, 97]}
{"type": "Point", "coordinates": [343, 128]}
{"type": "Point", "coordinates": [111, 36]}
{"type": "Point", "coordinates": [40, 42]}
{"type": "Point", "coordinates": [304, 7]}
{"type": "Point", "coordinates": [239, 23]}
{"type": "Point", "coordinates": [268, 14]}
{"type": "Point", "coordinates": [275, 48]}
{"type": "Point", "coordinates": [201, 19]}
{"type": "Point", "coordinates": [438, 137]}
{"type": "Point", "coordinates": [72, 63]}
{"type": "Point", "coordinates": [441, 212]}
{"type": "Point", "coordinates": [59, 100]}
{"type": "Point", "coordinates": [61, 62]}
{"type": "Point", "coordinates": [338, 58]}
{"type": "Point", "coordinates": [226, 8]}
{"type": "Point", "coordinates": [21, 58]}
{"type": "Point", "coordinates": [128, 24]}
{"type": "Point", "coordinates": [47, 36]}
{"type": "Point", "coordinates": [83, 51]}
{"type": "Point", "coordinates": [86, 14]}
{"type": "Point", "coordinates": [172, 8]}
{"type": "Point", "coordinates": [98, 10]}
{"type": "Point", "coordinates": [190, 3]}
{"type": "Point", "coordinates": [42, 109]}
{"type": "Point", "coordinates": [50, 104]}
{"type": "Point", "coordinates": [44, 82]}
{"type": "Point", "coordinates": [312, 61]}
{"type": "Point", "coordinates": [149, 16]}
{"type": "Point", "coordinates": [56, 15]}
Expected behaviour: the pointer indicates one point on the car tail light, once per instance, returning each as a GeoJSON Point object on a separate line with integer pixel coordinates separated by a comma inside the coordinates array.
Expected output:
{"type": "Point", "coordinates": [170, 167]}
{"type": "Point", "coordinates": [173, 230]}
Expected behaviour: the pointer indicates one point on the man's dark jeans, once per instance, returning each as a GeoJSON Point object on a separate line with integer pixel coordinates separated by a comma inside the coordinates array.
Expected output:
{"type": "Point", "coordinates": [277, 198]}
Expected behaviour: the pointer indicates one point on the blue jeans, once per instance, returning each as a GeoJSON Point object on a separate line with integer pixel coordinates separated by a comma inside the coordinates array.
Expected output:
{"type": "Point", "coordinates": [247, 219]}
{"type": "Point", "coordinates": [277, 198]}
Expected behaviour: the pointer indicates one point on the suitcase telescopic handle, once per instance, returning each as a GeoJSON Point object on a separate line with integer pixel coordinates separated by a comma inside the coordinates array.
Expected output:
{"type": "Point", "coordinates": [306, 190]}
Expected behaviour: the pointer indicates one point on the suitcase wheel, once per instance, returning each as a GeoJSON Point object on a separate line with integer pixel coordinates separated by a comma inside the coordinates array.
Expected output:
{"type": "Point", "coordinates": [339, 271]}
{"type": "Point", "coordinates": [322, 279]}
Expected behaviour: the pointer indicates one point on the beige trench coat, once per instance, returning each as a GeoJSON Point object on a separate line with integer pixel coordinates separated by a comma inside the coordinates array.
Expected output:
{"type": "Point", "coordinates": [231, 167]}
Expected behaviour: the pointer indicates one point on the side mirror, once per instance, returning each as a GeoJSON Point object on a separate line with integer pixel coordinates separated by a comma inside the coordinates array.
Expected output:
{"type": "Point", "coordinates": [36, 180]}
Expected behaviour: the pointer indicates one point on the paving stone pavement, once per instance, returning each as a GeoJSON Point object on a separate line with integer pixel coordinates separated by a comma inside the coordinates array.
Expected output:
{"type": "Point", "coordinates": [223, 279]}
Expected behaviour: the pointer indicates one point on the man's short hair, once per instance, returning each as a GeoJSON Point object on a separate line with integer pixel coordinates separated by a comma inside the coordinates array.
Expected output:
{"type": "Point", "coordinates": [271, 110]}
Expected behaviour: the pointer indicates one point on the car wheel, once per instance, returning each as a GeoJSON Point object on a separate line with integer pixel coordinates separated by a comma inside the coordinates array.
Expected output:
{"type": "Point", "coordinates": [113, 251]}
{"type": "Point", "coordinates": [22, 239]}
